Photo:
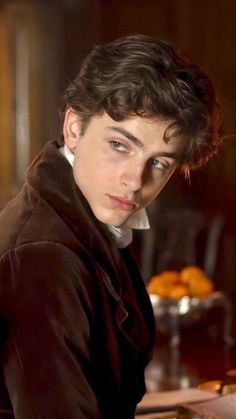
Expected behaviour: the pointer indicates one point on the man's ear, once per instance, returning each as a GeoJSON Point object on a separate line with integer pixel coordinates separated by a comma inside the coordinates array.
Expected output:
{"type": "Point", "coordinates": [71, 129]}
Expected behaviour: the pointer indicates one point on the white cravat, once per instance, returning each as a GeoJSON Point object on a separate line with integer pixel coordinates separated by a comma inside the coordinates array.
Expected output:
{"type": "Point", "coordinates": [123, 235]}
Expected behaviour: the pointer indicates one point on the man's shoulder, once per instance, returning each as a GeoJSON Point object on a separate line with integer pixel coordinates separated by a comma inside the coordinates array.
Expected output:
{"type": "Point", "coordinates": [28, 218]}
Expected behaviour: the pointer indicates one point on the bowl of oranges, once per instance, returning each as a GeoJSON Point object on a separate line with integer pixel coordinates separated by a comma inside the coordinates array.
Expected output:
{"type": "Point", "coordinates": [191, 281]}
{"type": "Point", "coordinates": [186, 294]}
{"type": "Point", "coordinates": [183, 298]}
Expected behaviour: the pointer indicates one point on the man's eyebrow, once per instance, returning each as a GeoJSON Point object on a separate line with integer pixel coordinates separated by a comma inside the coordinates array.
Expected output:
{"type": "Point", "coordinates": [136, 141]}
{"type": "Point", "coordinates": [170, 154]}
{"type": "Point", "coordinates": [127, 134]}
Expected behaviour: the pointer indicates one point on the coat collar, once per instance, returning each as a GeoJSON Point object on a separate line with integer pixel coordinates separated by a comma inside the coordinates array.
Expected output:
{"type": "Point", "coordinates": [51, 175]}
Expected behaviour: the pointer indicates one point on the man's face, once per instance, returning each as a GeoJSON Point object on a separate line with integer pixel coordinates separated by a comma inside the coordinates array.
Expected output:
{"type": "Point", "coordinates": [120, 167]}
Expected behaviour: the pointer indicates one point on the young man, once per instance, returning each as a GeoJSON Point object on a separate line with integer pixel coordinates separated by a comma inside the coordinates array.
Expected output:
{"type": "Point", "coordinates": [78, 325]}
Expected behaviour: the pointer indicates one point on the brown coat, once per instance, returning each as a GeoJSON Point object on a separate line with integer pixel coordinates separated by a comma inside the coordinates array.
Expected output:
{"type": "Point", "coordinates": [77, 325]}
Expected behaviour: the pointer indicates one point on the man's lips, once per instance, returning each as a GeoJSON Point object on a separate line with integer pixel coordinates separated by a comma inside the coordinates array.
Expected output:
{"type": "Point", "coordinates": [122, 203]}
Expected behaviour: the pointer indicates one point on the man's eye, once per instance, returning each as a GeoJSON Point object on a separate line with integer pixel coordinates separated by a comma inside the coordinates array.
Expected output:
{"type": "Point", "coordinates": [160, 165]}
{"type": "Point", "coordinates": [118, 146]}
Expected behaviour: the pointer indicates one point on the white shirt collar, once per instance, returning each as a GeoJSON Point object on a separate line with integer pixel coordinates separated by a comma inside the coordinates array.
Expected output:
{"type": "Point", "coordinates": [123, 235]}
{"type": "Point", "coordinates": [68, 154]}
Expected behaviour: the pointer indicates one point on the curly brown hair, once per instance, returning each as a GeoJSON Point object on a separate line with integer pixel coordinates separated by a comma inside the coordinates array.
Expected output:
{"type": "Point", "coordinates": [141, 75]}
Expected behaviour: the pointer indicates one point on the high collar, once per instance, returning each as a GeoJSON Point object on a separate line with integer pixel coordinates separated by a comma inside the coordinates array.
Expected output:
{"type": "Point", "coordinates": [50, 174]}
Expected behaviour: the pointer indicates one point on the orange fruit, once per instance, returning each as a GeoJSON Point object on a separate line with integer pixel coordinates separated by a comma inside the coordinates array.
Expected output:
{"type": "Point", "coordinates": [178, 291]}
{"type": "Point", "coordinates": [200, 287]}
{"type": "Point", "coordinates": [191, 272]}
{"type": "Point", "coordinates": [159, 287]}
{"type": "Point", "coordinates": [172, 277]}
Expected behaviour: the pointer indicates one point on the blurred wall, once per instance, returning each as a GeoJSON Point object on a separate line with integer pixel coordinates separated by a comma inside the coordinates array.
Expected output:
{"type": "Point", "coordinates": [30, 65]}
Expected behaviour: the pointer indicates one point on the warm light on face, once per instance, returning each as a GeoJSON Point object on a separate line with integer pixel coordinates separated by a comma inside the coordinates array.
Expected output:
{"type": "Point", "coordinates": [121, 167]}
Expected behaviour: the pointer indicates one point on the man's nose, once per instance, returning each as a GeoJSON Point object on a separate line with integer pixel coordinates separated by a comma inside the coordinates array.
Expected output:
{"type": "Point", "coordinates": [133, 177]}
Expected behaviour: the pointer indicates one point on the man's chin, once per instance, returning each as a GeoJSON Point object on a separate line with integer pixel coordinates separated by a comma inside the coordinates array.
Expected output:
{"type": "Point", "coordinates": [122, 223]}
{"type": "Point", "coordinates": [111, 218]}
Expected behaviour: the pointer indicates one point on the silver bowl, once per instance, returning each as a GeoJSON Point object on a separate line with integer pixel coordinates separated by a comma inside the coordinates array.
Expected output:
{"type": "Point", "coordinates": [171, 314]}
